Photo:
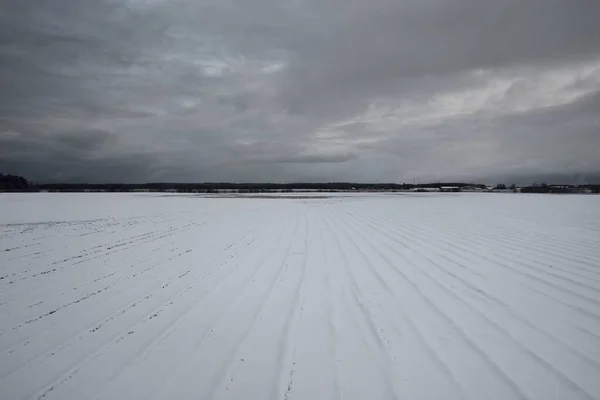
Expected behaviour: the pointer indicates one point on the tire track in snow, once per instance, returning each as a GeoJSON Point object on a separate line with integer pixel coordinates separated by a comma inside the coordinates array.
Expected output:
{"type": "Point", "coordinates": [534, 278]}
{"type": "Point", "coordinates": [498, 302]}
{"type": "Point", "coordinates": [548, 269]}
{"type": "Point", "coordinates": [210, 330]}
{"type": "Point", "coordinates": [287, 361]}
{"type": "Point", "coordinates": [420, 337]}
{"type": "Point", "coordinates": [162, 245]}
{"type": "Point", "coordinates": [224, 379]}
{"type": "Point", "coordinates": [517, 246]}
{"type": "Point", "coordinates": [117, 337]}
{"type": "Point", "coordinates": [101, 252]}
{"type": "Point", "coordinates": [506, 334]}
{"type": "Point", "coordinates": [373, 310]}
{"type": "Point", "coordinates": [42, 284]}
{"type": "Point", "coordinates": [114, 338]}
{"type": "Point", "coordinates": [65, 345]}
{"type": "Point", "coordinates": [332, 309]}
{"type": "Point", "coordinates": [551, 244]}
{"type": "Point", "coordinates": [479, 350]}
{"type": "Point", "coordinates": [382, 343]}
{"type": "Point", "coordinates": [409, 235]}
{"type": "Point", "coordinates": [167, 333]}
{"type": "Point", "coordinates": [172, 326]}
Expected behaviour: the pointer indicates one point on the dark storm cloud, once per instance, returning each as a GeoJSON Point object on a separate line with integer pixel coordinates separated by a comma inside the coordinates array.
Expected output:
{"type": "Point", "coordinates": [386, 90]}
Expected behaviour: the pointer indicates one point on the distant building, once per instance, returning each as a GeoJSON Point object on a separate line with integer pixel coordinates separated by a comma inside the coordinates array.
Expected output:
{"type": "Point", "coordinates": [450, 189]}
{"type": "Point", "coordinates": [471, 189]}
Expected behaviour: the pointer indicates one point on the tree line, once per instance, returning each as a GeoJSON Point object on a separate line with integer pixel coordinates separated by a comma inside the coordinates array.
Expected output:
{"type": "Point", "coordinates": [13, 182]}
{"type": "Point", "coordinates": [210, 187]}
{"type": "Point", "coordinates": [19, 184]}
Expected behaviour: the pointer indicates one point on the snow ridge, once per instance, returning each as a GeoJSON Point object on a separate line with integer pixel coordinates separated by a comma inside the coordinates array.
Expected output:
{"type": "Point", "coordinates": [388, 296]}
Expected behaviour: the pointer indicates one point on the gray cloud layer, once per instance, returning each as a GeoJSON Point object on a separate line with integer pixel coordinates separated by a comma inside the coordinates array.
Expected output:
{"type": "Point", "coordinates": [297, 90]}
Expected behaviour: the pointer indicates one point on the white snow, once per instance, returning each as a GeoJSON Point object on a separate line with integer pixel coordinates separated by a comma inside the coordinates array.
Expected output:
{"type": "Point", "coordinates": [356, 296]}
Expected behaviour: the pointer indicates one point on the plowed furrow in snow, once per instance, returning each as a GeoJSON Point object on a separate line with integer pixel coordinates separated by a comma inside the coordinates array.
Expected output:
{"type": "Point", "coordinates": [351, 296]}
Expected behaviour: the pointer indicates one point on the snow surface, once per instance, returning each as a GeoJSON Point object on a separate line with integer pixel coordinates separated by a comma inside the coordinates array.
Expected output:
{"type": "Point", "coordinates": [383, 296]}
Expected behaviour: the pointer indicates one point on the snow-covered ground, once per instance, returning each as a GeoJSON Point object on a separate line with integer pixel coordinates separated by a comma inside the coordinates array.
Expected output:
{"type": "Point", "coordinates": [383, 296]}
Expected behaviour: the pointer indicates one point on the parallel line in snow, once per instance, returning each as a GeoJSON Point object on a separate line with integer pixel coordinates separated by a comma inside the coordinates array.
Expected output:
{"type": "Point", "coordinates": [481, 351]}
{"type": "Point", "coordinates": [540, 359]}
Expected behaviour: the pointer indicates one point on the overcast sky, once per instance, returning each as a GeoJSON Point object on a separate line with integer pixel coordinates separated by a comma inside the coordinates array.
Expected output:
{"type": "Point", "coordinates": [300, 90]}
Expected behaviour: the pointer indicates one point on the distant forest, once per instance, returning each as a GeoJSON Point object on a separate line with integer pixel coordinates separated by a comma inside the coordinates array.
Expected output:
{"type": "Point", "coordinates": [15, 183]}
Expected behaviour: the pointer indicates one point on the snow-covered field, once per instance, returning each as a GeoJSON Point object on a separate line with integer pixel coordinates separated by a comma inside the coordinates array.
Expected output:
{"type": "Point", "coordinates": [387, 296]}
